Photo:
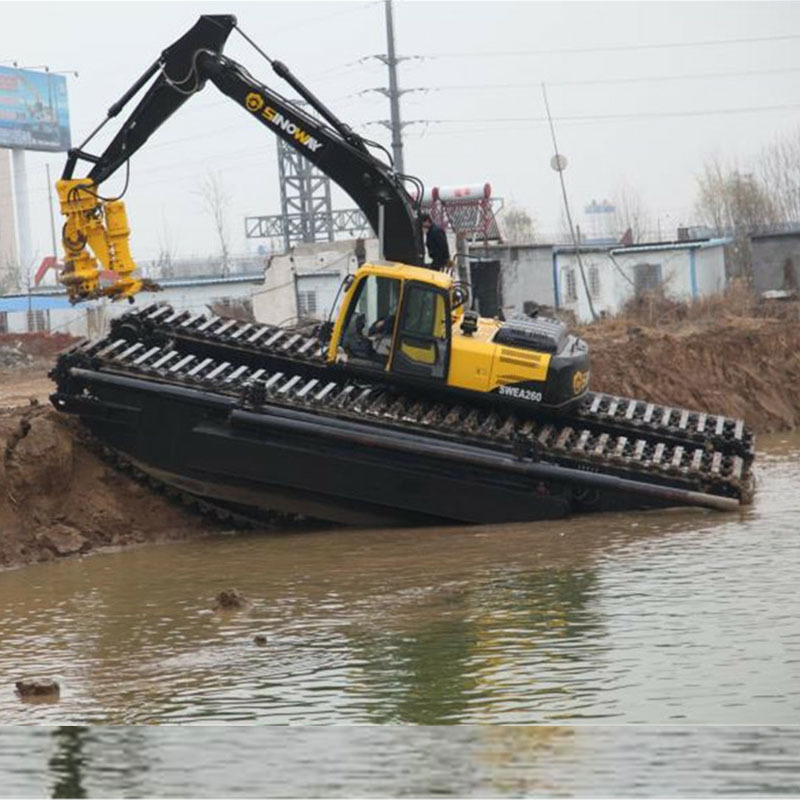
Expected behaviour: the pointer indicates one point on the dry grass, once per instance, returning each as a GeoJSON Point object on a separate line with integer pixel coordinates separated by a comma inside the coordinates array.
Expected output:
{"type": "Point", "coordinates": [658, 310]}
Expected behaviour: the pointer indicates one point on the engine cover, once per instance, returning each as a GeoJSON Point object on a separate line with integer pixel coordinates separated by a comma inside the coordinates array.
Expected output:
{"type": "Point", "coordinates": [542, 334]}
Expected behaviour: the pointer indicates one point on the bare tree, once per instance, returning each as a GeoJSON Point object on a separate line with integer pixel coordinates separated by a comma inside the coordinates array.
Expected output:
{"type": "Point", "coordinates": [165, 263]}
{"type": "Point", "coordinates": [630, 213]}
{"type": "Point", "coordinates": [779, 171]}
{"type": "Point", "coordinates": [735, 203]}
{"type": "Point", "coordinates": [216, 201]}
{"type": "Point", "coordinates": [731, 201]}
{"type": "Point", "coordinates": [518, 226]}
{"type": "Point", "coordinates": [10, 276]}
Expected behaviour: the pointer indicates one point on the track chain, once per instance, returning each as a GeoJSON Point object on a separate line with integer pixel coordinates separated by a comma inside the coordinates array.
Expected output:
{"type": "Point", "coordinates": [631, 438]}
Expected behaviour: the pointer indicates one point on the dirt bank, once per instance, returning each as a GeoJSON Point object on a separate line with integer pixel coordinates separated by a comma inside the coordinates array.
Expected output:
{"type": "Point", "coordinates": [58, 498]}
{"type": "Point", "coordinates": [728, 355]}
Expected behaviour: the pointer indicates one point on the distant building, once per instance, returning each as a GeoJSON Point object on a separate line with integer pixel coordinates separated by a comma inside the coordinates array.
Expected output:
{"type": "Point", "coordinates": [304, 283]}
{"type": "Point", "coordinates": [683, 270]}
{"type": "Point", "coordinates": [549, 275]}
{"type": "Point", "coordinates": [599, 223]}
{"type": "Point", "coordinates": [776, 261]}
{"type": "Point", "coordinates": [506, 277]}
{"type": "Point", "coordinates": [49, 309]}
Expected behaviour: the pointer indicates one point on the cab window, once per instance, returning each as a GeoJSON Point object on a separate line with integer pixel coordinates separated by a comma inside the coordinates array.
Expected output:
{"type": "Point", "coordinates": [371, 319]}
{"type": "Point", "coordinates": [422, 340]}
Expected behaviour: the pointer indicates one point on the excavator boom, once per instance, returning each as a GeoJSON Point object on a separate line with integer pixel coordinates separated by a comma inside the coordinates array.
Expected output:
{"type": "Point", "coordinates": [182, 70]}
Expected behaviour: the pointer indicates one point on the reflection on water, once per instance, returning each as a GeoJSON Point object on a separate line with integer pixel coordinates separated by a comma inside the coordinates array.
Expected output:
{"type": "Point", "coordinates": [66, 763]}
{"type": "Point", "coordinates": [689, 617]}
{"type": "Point", "coordinates": [684, 616]}
{"type": "Point", "coordinates": [461, 761]}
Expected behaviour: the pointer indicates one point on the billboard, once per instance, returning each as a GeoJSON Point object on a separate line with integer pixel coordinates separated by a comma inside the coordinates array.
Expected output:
{"type": "Point", "coordinates": [33, 110]}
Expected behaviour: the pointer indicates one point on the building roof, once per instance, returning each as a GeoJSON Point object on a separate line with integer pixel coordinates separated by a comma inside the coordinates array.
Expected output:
{"type": "Point", "coordinates": [54, 297]}
{"type": "Point", "coordinates": [691, 244]}
{"type": "Point", "coordinates": [613, 247]}
{"type": "Point", "coordinates": [35, 302]}
{"type": "Point", "coordinates": [777, 235]}
{"type": "Point", "coordinates": [207, 280]}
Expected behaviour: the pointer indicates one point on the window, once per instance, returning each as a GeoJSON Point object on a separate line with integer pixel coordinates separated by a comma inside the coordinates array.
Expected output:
{"type": "Point", "coordinates": [422, 335]}
{"type": "Point", "coordinates": [307, 303]}
{"type": "Point", "coordinates": [38, 320]}
{"type": "Point", "coordinates": [369, 328]}
{"type": "Point", "coordinates": [3, 321]}
{"type": "Point", "coordinates": [419, 311]}
{"type": "Point", "coordinates": [646, 277]}
{"type": "Point", "coordinates": [570, 284]}
{"type": "Point", "coordinates": [594, 280]}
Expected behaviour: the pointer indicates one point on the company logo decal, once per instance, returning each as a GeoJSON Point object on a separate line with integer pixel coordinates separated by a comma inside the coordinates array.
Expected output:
{"type": "Point", "coordinates": [579, 381]}
{"type": "Point", "coordinates": [255, 102]}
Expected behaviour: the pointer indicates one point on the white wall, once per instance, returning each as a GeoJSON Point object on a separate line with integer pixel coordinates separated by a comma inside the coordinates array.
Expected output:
{"type": "Point", "coordinates": [710, 270]}
{"type": "Point", "coordinates": [612, 289]}
{"type": "Point", "coordinates": [317, 268]}
{"type": "Point", "coordinates": [8, 233]}
{"type": "Point", "coordinates": [92, 319]}
{"type": "Point", "coordinates": [526, 275]}
{"type": "Point", "coordinates": [605, 283]}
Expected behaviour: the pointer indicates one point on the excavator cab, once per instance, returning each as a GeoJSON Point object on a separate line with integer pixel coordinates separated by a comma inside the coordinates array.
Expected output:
{"type": "Point", "coordinates": [396, 319]}
{"type": "Point", "coordinates": [410, 323]}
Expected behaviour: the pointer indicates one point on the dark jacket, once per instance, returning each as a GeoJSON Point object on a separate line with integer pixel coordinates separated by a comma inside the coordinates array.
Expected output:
{"type": "Point", "coordinates": [438, 250]}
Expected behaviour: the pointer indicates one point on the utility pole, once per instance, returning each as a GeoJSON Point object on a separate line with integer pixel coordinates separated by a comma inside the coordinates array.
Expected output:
{"type": "Point", "coordinates": [559, 164]}
{"type": "Point", "coordinates": [394, 94]}
{"type": "Point", "coordinates": [50, 206]}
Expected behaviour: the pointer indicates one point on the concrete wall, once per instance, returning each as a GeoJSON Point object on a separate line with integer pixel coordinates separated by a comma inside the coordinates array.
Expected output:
{"type": "Point", "coordinates": [92, 319]}
{"type": "Point", "coordinates": [526, 273]}
{"type": "Point", "coordinates": [8, 234]}
{"type": "Point", "coordinates": [307, 271]}
{"type": "Point", "coordinates": [776, 261]}
{"type": "Point", "coordinates": [606, 284]}
{"type": "Point", "coordinates": [710, 270]}
{"type": "Point", "coordinates": [687, 272]}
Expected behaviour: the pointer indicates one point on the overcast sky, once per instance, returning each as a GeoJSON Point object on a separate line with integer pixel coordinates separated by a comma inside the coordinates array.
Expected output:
{"type": "Point", "coordinates": [657, 87]}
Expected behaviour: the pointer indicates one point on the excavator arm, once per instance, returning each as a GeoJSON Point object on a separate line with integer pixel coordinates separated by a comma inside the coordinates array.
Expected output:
{"type": "Point", "coordinates": [98, 225]}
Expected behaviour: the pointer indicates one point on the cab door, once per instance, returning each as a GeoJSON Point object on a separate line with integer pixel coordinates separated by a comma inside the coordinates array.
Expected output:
{"type": "Point", "coordinates": [422, 339]}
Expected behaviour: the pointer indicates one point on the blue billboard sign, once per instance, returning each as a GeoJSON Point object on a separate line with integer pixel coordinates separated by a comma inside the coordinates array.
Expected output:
{"type": "Point", "coordinates": [33, 110]}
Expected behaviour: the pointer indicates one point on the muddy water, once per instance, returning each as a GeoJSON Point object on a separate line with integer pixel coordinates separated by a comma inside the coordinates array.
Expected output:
{"type": "Point", "coordinates": [461, 761]}
{"type": "Point", "coordinates": [672, 619]}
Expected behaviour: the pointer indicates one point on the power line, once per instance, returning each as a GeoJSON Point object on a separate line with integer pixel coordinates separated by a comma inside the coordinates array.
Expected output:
{"type": "Point", "coordinates": [624, 115]}
{"type": "Point", "coordinates": [617, 80]}
{"type": "Point", "coordinates": [357, 7]}
{"type": "Point", "coordinates": [618, 47]}
{"type": "Point", "coordinates": [246, 157]}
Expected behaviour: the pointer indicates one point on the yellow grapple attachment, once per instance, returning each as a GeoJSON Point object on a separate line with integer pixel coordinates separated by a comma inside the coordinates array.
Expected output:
{"type": "Point", "coordinates": [99, 227]}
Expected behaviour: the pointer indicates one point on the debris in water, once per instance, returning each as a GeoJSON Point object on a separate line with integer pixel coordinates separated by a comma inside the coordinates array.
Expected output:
{"type": "Point", "coordinates": [231, 599]}
{"type": "Point", "coordinates": [38, 688]}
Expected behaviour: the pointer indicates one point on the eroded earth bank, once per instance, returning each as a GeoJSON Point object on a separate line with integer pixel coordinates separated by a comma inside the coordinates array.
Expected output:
{"type": "Point", "coordinates": [58, 497]}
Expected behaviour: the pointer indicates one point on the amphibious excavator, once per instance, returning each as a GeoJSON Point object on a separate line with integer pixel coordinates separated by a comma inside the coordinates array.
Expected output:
{"type": "Point", "coordinates": [407, 407]}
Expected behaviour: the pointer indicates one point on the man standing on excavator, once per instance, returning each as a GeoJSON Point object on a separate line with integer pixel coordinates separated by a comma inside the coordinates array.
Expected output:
{"type": "Point", "coordinates": [436, 242]}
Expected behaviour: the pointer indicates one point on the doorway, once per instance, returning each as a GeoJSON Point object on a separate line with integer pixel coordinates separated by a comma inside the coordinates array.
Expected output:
{"type": "Point", "coordinates": [486, 291]}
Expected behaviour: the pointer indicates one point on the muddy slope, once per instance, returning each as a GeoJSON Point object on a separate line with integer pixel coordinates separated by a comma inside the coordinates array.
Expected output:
{"type": "Point", "coordinates": [742, 366]}
{"type": "Point", "coordinates": [58, 498]}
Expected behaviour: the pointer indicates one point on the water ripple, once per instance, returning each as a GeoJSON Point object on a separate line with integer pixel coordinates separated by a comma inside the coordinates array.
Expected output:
{"type": "Point", "coordinates": [631, 618]}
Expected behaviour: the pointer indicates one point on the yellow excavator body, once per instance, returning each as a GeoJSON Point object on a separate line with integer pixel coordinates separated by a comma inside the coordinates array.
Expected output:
{"type": "Point", "coordinates": [96, 230]}
{"type": "Point", "coordinates": [428, 335]}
